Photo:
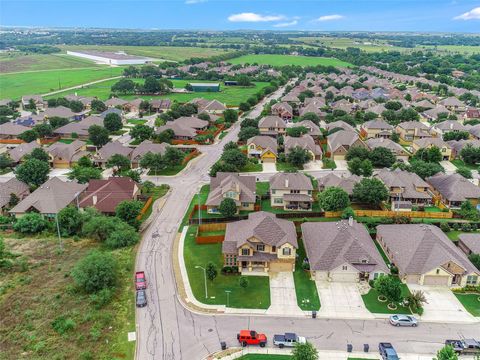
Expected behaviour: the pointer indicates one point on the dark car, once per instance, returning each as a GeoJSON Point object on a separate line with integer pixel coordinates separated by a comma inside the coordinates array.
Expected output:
{"type": "Point", "coordinates": [141, 300]}
{"type": "Point", "coordinates": [387, 352]}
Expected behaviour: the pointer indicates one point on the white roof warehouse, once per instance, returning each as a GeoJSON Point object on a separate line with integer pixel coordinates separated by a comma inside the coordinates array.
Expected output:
{"type": "Point", "coordinates": [110, 58]}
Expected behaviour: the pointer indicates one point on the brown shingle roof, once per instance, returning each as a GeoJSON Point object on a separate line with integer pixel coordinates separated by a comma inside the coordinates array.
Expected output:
{"type": "Point", "coordinates": [472, 241]}
{"type": "Point", "coordinates": [12, 186]}
{"type": "Point", "coordinates": [290, 181]}
{"type": "Point", "coordinates": [224, 182]}
{"type": "Point", "coordinates": [454, 187]}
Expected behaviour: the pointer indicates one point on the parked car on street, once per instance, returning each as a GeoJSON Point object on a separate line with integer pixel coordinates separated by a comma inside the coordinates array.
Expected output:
{"type": "Point", "coordinates": [250, 337]}
{"type": "Point", "coordinates": [141, 298]}
{"type": "Point", "coordinates": [387, 352]}
{"type": "Point", "coordinates": [288, 340]}
{"type": "Point", "coordinates": [466, 346]}
{"type": "Point", "coordinates": [403, 320]}
{"type": "Point", "coordinates": [140, 282]}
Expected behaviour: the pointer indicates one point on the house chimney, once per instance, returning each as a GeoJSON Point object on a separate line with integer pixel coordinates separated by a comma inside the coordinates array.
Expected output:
{"type": "Point", "coordinates": [94, 199]}
{"type": "Point", "coordinates": [350, 221]}
{"type": "Point", "coordinates": [286, 183]}
{"type": "Point", "coordinates": [451, 126]}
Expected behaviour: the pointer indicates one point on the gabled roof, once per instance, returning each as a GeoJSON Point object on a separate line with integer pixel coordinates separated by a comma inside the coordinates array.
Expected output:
{"type": "Point", "coordinates": [113, 148]}
{"type": "Point", "coordinates": [225, 182]}
{"type": "Point", "coordinates": [272, 121]}
{"type": "Point", "coordinates": [17, 153]}
{"type": "Point", "coordinates": [313, 129]}
{"type": "Point", "coordinates": [147, 146]}
{"type": "Point", "coordinates": [377, 124]}
{"type": "Point", "coordinates": [69, 152]}
{"type": "Point", "coordinates": [12, 129]}
{"type": "Point", "coordinates": [405, 180]}
{"type": "Point", "coordinates": [115, 102]}
{"type": "Point", "coordinates": [431, 141]}
{"type": "Point", "coordinates": [450, 125]}
{"type": "Point", "coordinates": [293, 181]}
{"type": "Point", "coordinates": [305, 142]}
{"type": "Point", "coordinates": [80, 127]}
{"type": "Point", "coordinates": [420, 248]}
{"type": "Point", "coordinates": [454, 187]}
{"type": "Point", "coordinates": [59, 111]}
{"type": "Point", "coordinates": [472, 241]}
{"type": "Point", "coordinates": [265, 142]}
{"type": "Point", "coordinates": [331, 244]}
{"type": "Point", "coordinates": [341, 138]}
{"type": "Point", "coordinates": [410, 125]}
{"type": "Point", "coordinates": [339, 124]}
{"type": "Point", "coordinates": [332, 180]}
{"type": "Point", "coordinates": [12, 186]}
{"type": "Point", "coordinates": [396, 148]}
{"type": "Point", "coordinates": [452, 101]}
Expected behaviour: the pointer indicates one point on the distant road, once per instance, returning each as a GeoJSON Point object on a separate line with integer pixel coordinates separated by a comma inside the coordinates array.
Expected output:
{"type": "Point", "coordinates": [82, 85]}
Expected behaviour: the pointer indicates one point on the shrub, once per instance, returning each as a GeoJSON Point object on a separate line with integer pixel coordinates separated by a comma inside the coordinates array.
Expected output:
{"type": "Point", "coordinates": [445, 228]}
{"type": "Point", "coordinates": [347, 213]}
{"type": "Point", "coordinates": [31, 223]}
{"type": "Point", "coordinates": [466, 227]}
{"type": "Point", "coordinates": [62, 324]}
{"type": "Point", "coordinates": [128, 210]}
{"type": "Point", "coordinates": [96, 271]}
{"type": "Point", "coordinates": [333, 199]}
{"type": "Point", "coordinates": [69, 220]}
{"type": "Point", "coordinates": [122, 237]}
{"type": "Point", "coordinates": [243, 282]}
{"type": "Point", "coordinates": [102, 298]}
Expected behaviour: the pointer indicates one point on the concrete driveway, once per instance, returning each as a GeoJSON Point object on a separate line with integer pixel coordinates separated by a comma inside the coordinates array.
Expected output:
{"type": "Point", "coordinates": [448, 167]}
{"type": "Point", "coordinates": [341, 300]}
{"type": "Point", "coordinates": [443, 305]}
{"type": "Point", "coordinates": [341, 165]}
{"type": "Point", "coordinates": [269, 167]}
{"type": "Point", "coordinates": [283, 299]}
{"type": "Point", "coordinates": [313, 165]}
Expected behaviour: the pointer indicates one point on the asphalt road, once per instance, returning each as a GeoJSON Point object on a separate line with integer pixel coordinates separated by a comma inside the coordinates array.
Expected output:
{"type": "Point", "coordinates": [167, 330]}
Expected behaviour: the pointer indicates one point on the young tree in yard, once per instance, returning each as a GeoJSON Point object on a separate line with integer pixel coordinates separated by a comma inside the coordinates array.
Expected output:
{"type": "Point", "coordinates": [96, 271]}
{"type": "Point", "coordinates": [298, 157]}
{"type": "Point", "coordinates": [57, 122]}
{"type": "Point", "coordinates": [98, 135]}
{"type": "Point", "coordinates": [424, 169]}
{"type": "Point", "coordinates": [173, 156]}
{"type": "Point", "coordinates": [244, 106]}
{"type": "Point", "coordinates": [166, 136]}
{"type": "Point", "coordinates": [211, 271]}
{"type": "Point", "coordinates": [227, 207]}
{"type": "Point", "coordinates": [235, 157]}
{"type": "Point", "coordinates": [83, 174]}
{"type": "Point", "coordinates": [28, 136]}
{"type": "Point", "coordinates": [33, 172]}
{"type": "Point", "coordinates": [5, 162]}
{"type": "Point", "coordinates": [98, 106]}
{"type": "Point", "coordinates": [128, 210]}
{"type": "Point", "coordinates": [38, 154]}
{"type": "Point", "coordinates": [119, 161]}
{"type": "Point", "coordinates": [447, 353]}
{"type": "Point", "coordinates": [44, 130]}
{"type": "Point", "coordinates": [382, 157]}
{"type": "Point", "coordinates": [304, 352]}
{"type": "Point", "coordinates": [417, 299]}
{"type": "Point", "coordinates": [147, 187]}
{"type": "Point", "coordinates": [355, 166]}
{"type": "Point", "coordinates": [333, 199]}
{"type": "Point", "coordinates": [70, 221]}
{"type": "Point", "coordinates": [432, 154]}
{"type": "Point", "coordinates": [141, 132]}
{"type": "Point", "coordinates": [112, 122]}
{"type": "Point", "coordinates": [357, 152]}
{"type": "Point", "coordinates": [31, 223]}
{"type": "Point", "coordinates": [370, 191]}
{"type": "Point", "coordinates": [230, 116]}
{"type": "Point", "coordinates": [243, 282]}
{"type": "Point", "coordinates": [85, 161]}
{"type": "Point", "coordinates": [13, 200]}
{"type": "Point", "coordinates": [389, 287]}
{"type": "Point", "coordinates": [152, 161]}
{"type": "Point", "coordinates": [133, 174]}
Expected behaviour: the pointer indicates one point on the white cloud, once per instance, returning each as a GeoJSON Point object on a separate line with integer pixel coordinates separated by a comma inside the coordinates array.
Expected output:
{"type": "Point", "coordinates": [473, 14]}
{"type": "Point", "coordinates": [253, 17]}
{"type": "Point", "coordinates": [191, 2]}
{"type": "Point", "coordinates": [330, 17]}
{"type": "Point", "coordinates": [286, 24]}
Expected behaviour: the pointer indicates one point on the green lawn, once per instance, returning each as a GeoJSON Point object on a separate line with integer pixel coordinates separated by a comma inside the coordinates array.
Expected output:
{"type": "Point", "coordinates": [251, 167]}
{"type": "Point", "coordinates": [157, 193]}
{"type": "Point", "coordinates": [255, 296]}
{"type": "Point", "coordinates": [459, 164]}
{"type": "Point", "coordinates": [285, 166]}
{"type": "Point", "coordinates": [471, 302]}
{"type": "Point", "coordinates": [197, 198]}
{"type": "Point", "coordinates": [263, 187]}
{"type": "Point", "coordinates": [375, 306]}
{"type": "Point", "coordinates": [264, 357]}
{"type": "Point", "coordinates": [380, 250]}
{"type": "Point", "coordinates": [39, 82]}
{"type": "Point", "coordinates": [453, 235]}
{"type": "Point", "coordinates": [136, 121]}
{"type": "Point", "coordinates": [168, 171]}
{"type": "Point", "coordinates": [305, 288]}
{"type": "Point", "coordinates": [329, 164]}
{"type": "Point", "coordinates": [282, 60]}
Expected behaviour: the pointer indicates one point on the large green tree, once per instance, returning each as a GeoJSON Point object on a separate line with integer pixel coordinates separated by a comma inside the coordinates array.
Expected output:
{"type": "Point", "coordinates": [298, 157]}
{"type": "Point", "coordinates": [112, 122]}
{"type": "Point", "coordinates": [96, 271]}
{"type": "Point", "coordinates": [128, 211]}
{"type": "Point", "coordinates": [333, 199]}
{"type": "Point", "coordinates": [227, 207]}
{"type": "Point", "coordinates": [370, 191]}
{"type": "Point", "coordinates": [141, 132]}
{"type": "Point", "coordinates": [98, 135]}
{"type": "Point", "coordinates": [33, 172]}
{"type": "Point", "coordinates": [382, 157]}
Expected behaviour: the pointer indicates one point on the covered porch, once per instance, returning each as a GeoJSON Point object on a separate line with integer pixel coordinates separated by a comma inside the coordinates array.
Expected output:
{"type": "Point", "coordinates": [297, 202]}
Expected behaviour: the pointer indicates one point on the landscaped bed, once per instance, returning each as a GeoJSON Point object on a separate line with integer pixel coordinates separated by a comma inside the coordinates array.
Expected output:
{"type": "Point", "coordinates": [255, 296]}
{"type": "Point", "coordinates": [376, 306]}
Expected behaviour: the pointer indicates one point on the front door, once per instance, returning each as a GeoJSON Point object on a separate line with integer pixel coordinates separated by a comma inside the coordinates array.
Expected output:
{"type": "Point", "coordinates": [244, 264]}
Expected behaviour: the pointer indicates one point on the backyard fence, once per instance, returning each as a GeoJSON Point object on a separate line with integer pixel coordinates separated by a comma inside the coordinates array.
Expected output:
{"type": "Point", "coordinates": [410, 214]}
{"type": "Point", "coordinates": [145, 208]}
{"type": "Point", "coordinates": [213, 238]}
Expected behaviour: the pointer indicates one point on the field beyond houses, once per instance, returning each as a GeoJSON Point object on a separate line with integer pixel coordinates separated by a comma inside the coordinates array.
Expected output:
{"type": "Point", "coordinates": [282, 60]}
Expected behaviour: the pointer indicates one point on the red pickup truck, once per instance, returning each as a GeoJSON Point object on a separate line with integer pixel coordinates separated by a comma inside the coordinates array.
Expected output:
{"type": "Point", "coordinates": [140, 282]}
{"type": "Point", "coordinates": [249, 337]}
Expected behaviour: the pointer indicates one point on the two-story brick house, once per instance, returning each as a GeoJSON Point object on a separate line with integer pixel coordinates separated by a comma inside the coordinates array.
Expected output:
{"type": "Point", "coordinates": [291, 191]}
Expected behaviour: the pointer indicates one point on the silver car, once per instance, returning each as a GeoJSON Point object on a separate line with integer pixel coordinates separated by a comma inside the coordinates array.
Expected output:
{"type": "Point", "coordinates": [403, 320]}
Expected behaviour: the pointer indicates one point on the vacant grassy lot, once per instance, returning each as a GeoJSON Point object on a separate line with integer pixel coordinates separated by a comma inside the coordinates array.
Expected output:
{"type": "Point", "coordinates": [39, 290]}
{"type": "Point", "coordinates": [471, 302]}
{"type": "Point", "coordinates": [282, 60]}
{"type": "Point", "coordinates": [255, 296]}
{"type": "Point", "coordinates": [171, 53]}
{"type": "Point", "coordinates": [39, 82]}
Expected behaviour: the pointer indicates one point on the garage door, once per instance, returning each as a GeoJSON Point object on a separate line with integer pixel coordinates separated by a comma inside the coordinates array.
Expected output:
{"type": "Point", "coordinates": [435, 280]}
{"type": "Point", "coordinates": [279, 267]}
{"type": "Point", "coordinates": [344, 277]}
{"type": "Point", "coordinates": [268, 160]}
{"type": "Point", "coordinates": [338, 157]}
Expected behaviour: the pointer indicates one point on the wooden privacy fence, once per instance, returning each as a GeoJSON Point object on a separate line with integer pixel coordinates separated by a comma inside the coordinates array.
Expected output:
{"type": "Point", "coordinates": [391, 214]}
{"type": "Point", "coordinates": [190, 156]}
{"type": "Point", "coordinates": [210, 239]}
{"type": "Point", "coordinates": [212, 227]}
{"type": "Point", "coordinates": [148, 203]}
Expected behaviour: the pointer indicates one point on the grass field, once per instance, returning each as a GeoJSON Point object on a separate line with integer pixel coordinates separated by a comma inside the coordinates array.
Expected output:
{"type": "Point", "coordinates": [231, 95]}
{"type": "Point", "coordinates": [15, 85]}
{"type": "Point", "coordinates": [374, 306]}
{"type": "Point", "coordinates": [171, 53]}
{"type": "Point", "coordinates": [471, 302]}
{"type": "Point", "coordinates": [305, 288]}
{"type": "Point", "coordinates": [343, 43]}
{"type": "Point", "coordinates": [282, 60]}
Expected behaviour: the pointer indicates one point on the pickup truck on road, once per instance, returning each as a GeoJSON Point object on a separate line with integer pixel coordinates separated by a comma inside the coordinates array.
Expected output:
{"type": "Point", "coordinates": [288, 340]}
{"type": "Point", "coordinates": [466, 346]}
{"type": "Point", "coordinates": [250, 337]}
{"type": "Point", "coordinates": [140, 282]}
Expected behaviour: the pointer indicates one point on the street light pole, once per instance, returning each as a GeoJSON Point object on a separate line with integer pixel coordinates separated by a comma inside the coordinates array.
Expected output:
{"type": "Point", "coordinates": [205, 278]}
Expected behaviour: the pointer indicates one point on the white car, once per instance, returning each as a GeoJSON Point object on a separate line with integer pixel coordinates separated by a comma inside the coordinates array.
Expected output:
{"type": "Point", "coordinates": [403, 320]}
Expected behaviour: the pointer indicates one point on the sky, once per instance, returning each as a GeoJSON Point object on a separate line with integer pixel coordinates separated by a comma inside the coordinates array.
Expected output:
{"type": "Point", "coordinates": [316, 15]}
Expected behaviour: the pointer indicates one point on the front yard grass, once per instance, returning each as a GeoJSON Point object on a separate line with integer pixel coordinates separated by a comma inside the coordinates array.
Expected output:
{"type": "Point", "coordinates": [157, 193]}
{"type": "Point", "coordinates": [255, 296]}
{"type": "Point", "coordinates": [168, 171]}
{"type": "Point", "coordinates": [305, 288]}
{"type": "Point", "coordinates": [380, 250]}
{"type": "Point", "coordinates": [251, 167]}
{"type": "Point", "coordinates": [136, 121]}
{"type": "Point", "coordinates": [377, 307]}
{"type": "Point", "coordinates": [284, 166]}
{"type": "Point", "coordinates": [471, 302]}
{"type": "Point", "coordinates": [329, 164]}
{"type": "Point", "coordinates": [459, 164]}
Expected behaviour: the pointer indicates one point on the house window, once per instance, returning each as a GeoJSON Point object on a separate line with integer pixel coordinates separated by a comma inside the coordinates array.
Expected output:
{"type": "Point", "coordinates": [294, 191]}
{"type": "Point", "coordinates": [260, 247]}
{"type": "Point", "coordinates": [274, 249]}
{"type": "Point", "coordinates": [245, 204]}
{"type": "Point", "coordinates": [472, 279]}
{"type": "Point", "coordinates": [344, 267]}
{"type": "Point", "coordinates": [278, 201]}
{"type": "Point", "coordinates": [364, 261]}
{"type": "Point", "coordinates": [286, 251]}
{"type": "Point", "coordinates": [438, 271]}
{"type": "Point", "coordinates": [245, 252]}
{"type": "Point", "coordinates": [273, 191]}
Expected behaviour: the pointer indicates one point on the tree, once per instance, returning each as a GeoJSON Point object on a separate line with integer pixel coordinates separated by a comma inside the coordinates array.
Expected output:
{"type": "Point", "coordinates": [395, 137]}
{"type": "Point", "coordinates": [122, 237]}
{"type": "Point", "coordinates": [98, 106]}
{"type": "Point", "coordinates": [230, 116]}
{"type": "Point", "coordinates": [39, 154]}
{"type": "Point", "coordinates": [96, 271]}
{"type": "Point", "coordinates": [5, 162]}
{"type": "Point", "coordinates": [297, 131]}
{"type": "Point", "coordinates": [133, 174]}
{"type": "Point", "coordinates": [31, 223]}
{"type": "Point", "coordinates": [431, 154]}
{"type": "Point", "coordinates": [173, 156]}
{"type": "Point", "coordinates": [304, 351]}
{"type": "Point", "coordinates": [141, 132]}
{"type": "Point", "coordinates": [152, 161]}
{"type": "Point", "coordinates": [416, 299]}
{"type": "Point", "coordinates": [370, 191]}
{"type": "Point", "coordinates": [211, 271]}
{"type": "Point", "coordinates": [424, 169]}
{"type": "Point", "coordinates": [312, 117]}
{"type": "Point", "coordinates": [475, 260]}
{"type": "Point", "coordinates": [382, 157]}
{"type": "Point", "coordinates": [470, 155]}
{"type": "Point", "coordinates": [367, 168]}
{"type": "Point", "coordinates": [119, 161]}
{"type": "Point", "coordinates": [98, 135]}
{"type": "Point", "coordinates": [357, 152]}
{"type": "Point", "coordinates": [456, 135]}
{"type": "Point", "coordinates": [243, 282]}
{"type": "Point", "coordinates": [112, 122]}
{"type": "Point", "coordinates": [83, 174]}
{"type": "Point", "coordinates": [230, 146]}
{"type": "Point", "coordinates": [447, 353]}
{"type": "Point", "coordinates": [244, 106]}
{"type": "Point", "coordinates": [468, 211]}
{"type": "Point", "coordinates": [166, 136]}
{"type": "Point", "coordinates": [44, 130]}
{"type": "Point", "coordinates": [147, 187]}
{"type": "Point", "coordinates": [235, 157]}
{"type": "Point", "coordinates": [248, 132]}
{"type": "Point", "coordinates": [298, 157]}
{"type": "Point", "coordinates": [85, 161]}
{"type": "Point", "coordinates": [28, 136]}
{"type": "Point", "coordinates": [76, 106]}
{"type": "Point", "coordinates": [124, 86]}
{"type": "Point", "coordinates": [227, 207]}
{"type": "Point", "coordinates": [100, 227]}
{"type": "Point", "coordinates": [57, 122]}
{"type": "Point", "coordinates": [13, 200]}
{"type": "Point", "coordinates": [69, 221]}
{"type": "Point", "coordinates": [333, 199]}
{"type": "Point", "coordinates": [33, 172]}
{"type": "Point", "coordinates": [389, 287]}
{"type": "Point", "coordinates": [221, 166]}
{"type": "Point", "coordinates": [355, 166]}
{"type": "Point", "coordinates": [128, 210]}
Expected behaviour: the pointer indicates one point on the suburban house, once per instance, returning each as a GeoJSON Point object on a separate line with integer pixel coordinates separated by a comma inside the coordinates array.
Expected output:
{"type": "Point", "coordinates": [11, 131]}
{"type": "Point", "coordinates": [262, 243]}
{"type": "Point", "coordinates": [404, 186]}
{"type": "Point", "coordinates": [272, 126]}
{"type": "Point", "coordinates": [341, 141]}
{"type": "Point", "coordinates": [64, 156]}
{"type": "Point", "coordinates": [447, 126]}
{"type": "Point", "coordinates": [105, 195]}
{"type": "Point", "coordinates": [263, 148]}
{"type": "Point", "coordinates": [37, 100]}
{"type": "Point", "coordinates": [376, 128]}
{"type": "Point", "coordinates": [427, 143]}
{"type": "Point", "coordinates": [49, 198]}
{"type": "Point", "coordinates": [78, 129]}
{"type": "Point", "coordinates": [209, 106]}
{"type": "Point", "coordinates": [291, 191]}
{"type": "Point", "coordinates": [185, 128]}
{"type": "Point", "coordinates": [332, 180]}
{"type": "Point", "coordinates": [412, 130]}
{"type": "Point", "coordinates": [313, 108]}
{"type": "Point", "coordinates": [313, 129]}
{"type": "Point", "coordinates": [283, 110]}
{"type": "Point", "coordinates": [453, 104]}
{"type": "Point", "coordinates": [108, 150]}
{"type": "Point", "coordinates": [397, 149]}
{"type": "Point", "coordinates": [339, 124]}
{"type": "Point", "coordinates": [143, 148]}
{"type": "Point", "coordinates": [17, 153]}
{"type": "Point", "coordinates": [291, 98]}
{"type": "Point", "coordinates": [160, 105]}
{"type": "Point", "coordinates": [133, 105]}
{"type": "Point", "coordinates": [115, 102]}
{"type": "Point", "coordinates": [435, 113]}
{"type": "Point", "coordinates": [241, 189]}
{"type": "Point", "coordinates": [454, 189]}
{"type": "Point", "coordinates": [471, 114]}
{"type": "Point", "coordinates": [304, 142]}
{"type": "Point", "coordinates": [469, 243]}
{"type": "Point", "coordinates": [62, 112]}
{"type": "Point", "coordinates": [458, 145]}
{"type": "Point", "coordinates": [15, 187]}
{"type": "Point", "coordinates": [424, 255]}
{"type": "Point", "coordinates": [473, 130]}
{"type": "Point", "coordinates": [341, 251]}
